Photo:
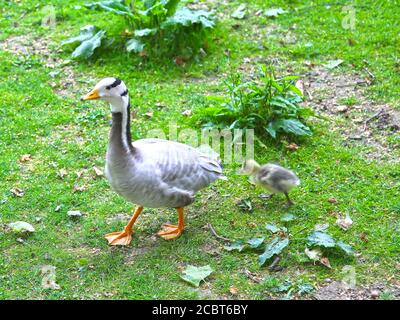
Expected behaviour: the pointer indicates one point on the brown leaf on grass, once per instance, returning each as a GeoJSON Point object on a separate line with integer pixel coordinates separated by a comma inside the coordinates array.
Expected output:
{"type": "Point", "coordinates": [149, 114]}
{"type": "Point", "coordinates": [332, 200]}
{"type": "Point", "coordinates": [98, 172]}
{"type": "Point", "coordinates": [364, 237]}
{"type": "Point", "coordinates": [62, 173]}
{"type": "Point", "coordinates": [325, 262]}
{"type": "Point", "coordinates": [17, 192]}
{"type": "Point", "coordinates": [233, 291]}
{"type": "Point", "coordinates": [292, 147]}
{"type": "Point", "coordinates": [25, 158]}
{"type": "Point", "coordinates": [179, 60]}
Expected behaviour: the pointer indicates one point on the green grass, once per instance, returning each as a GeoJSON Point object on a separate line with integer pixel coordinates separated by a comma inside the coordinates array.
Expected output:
{"type": "Point", "coordinates": [60, 132]}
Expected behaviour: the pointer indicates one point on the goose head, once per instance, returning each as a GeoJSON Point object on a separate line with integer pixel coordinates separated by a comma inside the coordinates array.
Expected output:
{"type": "Point", "coordinates": [111, 90]}
{"type": "Point", "coordinates": [249, 167]}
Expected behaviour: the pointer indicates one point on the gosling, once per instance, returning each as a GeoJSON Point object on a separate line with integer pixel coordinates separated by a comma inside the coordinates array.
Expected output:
{"type": "Point", "coordinates": [272, 177]}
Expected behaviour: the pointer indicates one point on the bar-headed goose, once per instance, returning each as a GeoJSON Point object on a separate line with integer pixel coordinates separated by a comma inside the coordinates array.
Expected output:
{"type": "Point", "coordinates": [272, 177]}
{"type": "Point", "coordinates": [149, 172]}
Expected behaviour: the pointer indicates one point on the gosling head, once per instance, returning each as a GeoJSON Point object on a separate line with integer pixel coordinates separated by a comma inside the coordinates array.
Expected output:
{"type": "Point", "coordinates": [112, 90]}
{"type": "Point", "coordinates": [249, 167]}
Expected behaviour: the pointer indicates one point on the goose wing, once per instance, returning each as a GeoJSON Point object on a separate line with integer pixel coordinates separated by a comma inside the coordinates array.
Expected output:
{"type": "Point", "coordinates": [179, 166]}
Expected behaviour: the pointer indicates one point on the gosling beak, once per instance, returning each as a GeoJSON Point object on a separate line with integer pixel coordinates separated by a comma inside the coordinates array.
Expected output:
{"type": "Point", "coordinates": [92, 95]}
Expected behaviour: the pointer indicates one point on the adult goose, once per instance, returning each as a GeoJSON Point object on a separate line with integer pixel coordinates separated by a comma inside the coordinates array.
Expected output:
{"type": "Point", "coordinates": [151, 173]}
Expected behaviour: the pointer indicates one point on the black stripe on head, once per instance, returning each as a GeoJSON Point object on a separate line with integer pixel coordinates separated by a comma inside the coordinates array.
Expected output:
{"type": "Point", "coordinates": [124, 93]}
{"type": "Point", "coordinates": [117, 82]}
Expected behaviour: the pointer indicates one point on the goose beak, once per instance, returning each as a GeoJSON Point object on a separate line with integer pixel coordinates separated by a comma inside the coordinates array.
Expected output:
{"type": "Point", "coordinates": [92, 95]}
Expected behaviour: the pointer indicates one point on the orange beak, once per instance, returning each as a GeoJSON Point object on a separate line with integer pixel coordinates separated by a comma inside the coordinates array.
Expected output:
{"type": "Point", "coordinates": [92, 95]}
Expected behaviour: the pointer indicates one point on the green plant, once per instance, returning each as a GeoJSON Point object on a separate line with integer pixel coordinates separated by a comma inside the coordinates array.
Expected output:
{"type": "Point", "coordinates": [268, 104]}
{"type": "Point", "coordinates": [154, 26]}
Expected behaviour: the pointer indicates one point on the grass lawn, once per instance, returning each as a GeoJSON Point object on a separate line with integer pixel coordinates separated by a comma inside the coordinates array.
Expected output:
{"type": "Point", "coordinates": [41, 115]}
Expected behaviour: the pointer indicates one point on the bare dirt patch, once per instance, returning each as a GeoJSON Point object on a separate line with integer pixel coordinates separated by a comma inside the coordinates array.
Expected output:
{"type": "Point", "coordinates": [49, 55]}
{"type": "Point", "coordinates": [362, 122]}
{"type": "Point", "coordinates": [338, 291]}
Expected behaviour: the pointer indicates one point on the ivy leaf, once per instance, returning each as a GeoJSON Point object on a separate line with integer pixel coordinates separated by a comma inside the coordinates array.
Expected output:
{"type": "Point", "coordinates": [145, 32]}
{"type": "Point", "coordinates": [134, 45]}
{"type": "Point", "coordinates": [322, 239]}
{"type": "Point", "coordinates": [274, 12]}
{"type": "Point", "coordinates": [274, 247]}
{"type": "Point", "coordinates": [194, 275]}
{"type": "Point", "coordinates": [348, 249]}
{"type": "Point", "coordinates": [273, 228]}
{"type": "Point", "coordinates": [114, 6]}
{"type": "Point", "coordinates": [236, 245]}
{"type": "Point", "coordinates": [314, 255]}
{"type": "Point", "coordinates": [240, 12]}
{"type": "Point", "coordinates": [287, 217]}
{"type": "Point", "coordinates": [256, 242]}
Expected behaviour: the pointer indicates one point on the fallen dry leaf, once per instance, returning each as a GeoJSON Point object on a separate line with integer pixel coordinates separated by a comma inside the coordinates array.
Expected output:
{"type": "Point", "coordinates": [17, 192]}
{"type": "Point", "coordinates": [78, 188]}
{"type": "Point", "coordinates": [179, 60]}
{"type": "Point", "coordinates": [62, 173]}
{"type": "Point", "coordinates": [332, 200]}
{"type": "Point", "coordinates": [98, 172]}
{"type": "Point", "coordinates": [25, 157]}
{"type": "Point", "coordinates": [49, 278]}
{"type": "Point", "coordinates": [364, 237]}
{"type": "Point", "coordinates": [187, 113]}
{"type": "Point", "coordinates": [233, 290]}
{"type": "Point", "coordinates": [325, 262]}
{"type": "Point", "coordinates": [344, 222]}
{"type": "Point", "coordinates": [149, 114]}
{"type": "Point", "coordinates": [292, 147]}
{"type": "Point", "coordinates": [300, 85]}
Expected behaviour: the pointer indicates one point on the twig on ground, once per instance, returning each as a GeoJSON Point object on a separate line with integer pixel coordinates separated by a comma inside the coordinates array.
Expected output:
{"type": "Point", "coordinates": [274, 265]}
{"type": "Point", "coordinates": [216, 234]}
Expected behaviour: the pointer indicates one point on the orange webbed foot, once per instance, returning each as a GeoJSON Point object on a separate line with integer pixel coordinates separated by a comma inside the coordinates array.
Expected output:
{"type": "Point", "coordinates": [122, 238]}
{"type": "Point", "coordinates": [170, 231]}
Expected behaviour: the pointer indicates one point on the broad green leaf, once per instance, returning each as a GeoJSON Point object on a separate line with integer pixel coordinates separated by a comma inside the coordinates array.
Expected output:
{"type": "Point", "coordinates": [134, 45]}
{"type": "Point", "coordinates": [292, 126]}
{"type": "Point", "coordinates": [236, 245]}
{"type": "Point", "coordinates": [346, 248]}
{"type": "Point", "coordinates": [255, 242]}
{"type": "Point", "coordinates": [194, 275]}
{"type": "Point", "coordinates": [86, 33]}
{"type": "Point", "coordinates": [305, 288]}
{"type": "Point", "coordinates": [114, 6]}
{"type": "Point", "coordinates": [240, 12]}
{"type": "Point", "coordinates": [186, 17]}
{"type": "Point", "coordinates": [287, 217]}
{"type": "Point", "coordinates": [322, 239]}
{"type": "Point", "coordinates": [145, 32]}
{"type": "Point", "coordinates": [272, 228]}
{"type": "Point", "coordinates": [274, 12]}
{"type": "Point", "coordinates": [271, 130]}
{"type": "Point", "coordinates": [21, 227]}
{"type": "Point", "coordinates": [274, 247]}
{"type": "Point", "coordinates": [333, 63]}
{"type": "Point", "coordinates": [87, 47]}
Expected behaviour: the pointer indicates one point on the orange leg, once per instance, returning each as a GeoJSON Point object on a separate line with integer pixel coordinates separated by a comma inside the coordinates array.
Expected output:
{"type": "Point", "coordinates": [170, 231]}
{"type": "Point", "coordinates": [124, 238]}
